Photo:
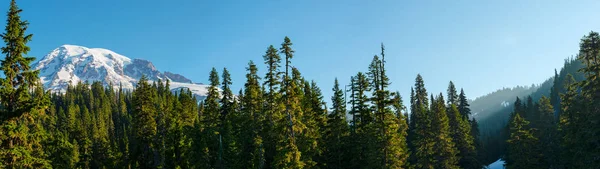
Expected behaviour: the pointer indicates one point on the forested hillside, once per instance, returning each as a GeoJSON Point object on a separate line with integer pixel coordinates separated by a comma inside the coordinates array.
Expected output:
{"type": "Point", "coordinates": [560, 131]}
{"type": "Point", "coordinates": [493, 122]}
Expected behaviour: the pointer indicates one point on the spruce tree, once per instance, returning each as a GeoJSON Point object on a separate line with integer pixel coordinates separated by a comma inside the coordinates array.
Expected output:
{"type": "Point", "coordinates": [314, 120]}
{"type": "Point", "coordinates": [337, 132]}
{"type": "Point", "coordinates": [144, 124]}
{"type": "Point", "coordinates": [463, 105]}
{"type": "Point", "coordinates": [569, 123]}
{"type": "Point", "coordinates": [288, 155]}
{"type": "Point", "coordinates": [389, 151]}
{"type": "Point", "coordinates": [521, 145]}
{"type": "Point", "coordinates": [274, 106]}
{"type": "Point", "coordinates": [253, 151]}
{"type": "Point", "coordinates": [422, 120]}
{"type": "Point", "coordinates": [547, 133]}
{"type": "Point", "coordinates": [444, 148]}
{"type": "Point", "coordinates": [555, 94]}
{"type": "Point", "coordinates": [291, 126]}
{"type": "Point", "coordinates": [229, 116]}
{"type": "Point", "coordinates": [453, 97]}
{"type": "Point", "coordinates": [22, 100]}
{"type": "Point", "coordinates": [589, 54]}
{"type": "Point", "coordinates": [475, 133]}
{"type": "Point", "coordinates": [401, 144]}
{"type": "Point", "coordinates": [460, 129]}
{"type": "Point", "coordinates": [211, 123]}
{"type": "Point", "coordinates": [361, 118]}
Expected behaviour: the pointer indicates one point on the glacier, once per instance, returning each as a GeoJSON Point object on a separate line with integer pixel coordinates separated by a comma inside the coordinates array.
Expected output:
{"type": "Point", "coordinates": [72, 64]}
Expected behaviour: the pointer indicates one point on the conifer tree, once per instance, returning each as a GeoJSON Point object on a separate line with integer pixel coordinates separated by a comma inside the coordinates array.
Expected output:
{"type": "Point", "coordinates": [453, 97]}
{"type": "Point", "coordinates": [314, 119]}
{"type": "Point", "coordinates": [389, 151]}
{"type": "Point", "coordinates": [337, 132]}
{"type": "Point", "coordinates": [274, 106]}
{"type": "Point", "coordinates": [463, 105]}
{"type": "Point", "coordinates": [460, 130]}
{"type": "Point", "coordinates": [547, 133]}
{"type": "Point", "coordinates": [211, 136]}
{"type": "Point", "coordinates": [555, 94]}
{"type": "Point", "coordinates": [465, 111]}
{"type": "Point", "coordinates": [62, 153]}
{"type": "Point", "coordinates": [589, 54]}
{"type": "Point", "coordinates": [422, 120]}
{"type": "Point", "coordinates": [521, 145]}
{"type": "Point", "coordinates": [480, 152]}
{"type": "Point", "coordinates": [361, 118]}
{"type": "Point", "coordinates": [461, 135]}
{"type": "Point", "coordinates": [288, 153]}
{"type": "Point", "coordinates": [229, 115]}
{"type": "Point", "coordinates": [22, 100]}
{"type": "Point", "coordinates": [253, 151]}
{"type": "Point", "coordinates": [411, 126]}
{"type": "Point", "coordinates": [444, 148]}
{"type": "Point", "coordinates": [402, 152]}
{"type": "Point", "coordinates": [569, 123]}
{"type": "Point", "coordinates": [144, 124]}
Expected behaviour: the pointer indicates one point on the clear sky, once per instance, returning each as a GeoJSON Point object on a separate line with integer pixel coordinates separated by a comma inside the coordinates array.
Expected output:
{"type": "Point", "coordinates": [480, 45]}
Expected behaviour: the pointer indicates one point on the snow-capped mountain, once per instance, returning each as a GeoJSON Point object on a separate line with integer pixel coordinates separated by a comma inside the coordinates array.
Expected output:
{"type": "Point", "coordinates": [71, 64]}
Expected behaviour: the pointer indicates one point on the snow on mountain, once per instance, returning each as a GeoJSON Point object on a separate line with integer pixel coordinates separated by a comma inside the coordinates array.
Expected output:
{"type": "Point", "coordinates": [71, 64]}
{"type": "Point", "coordinates": [505, 103]}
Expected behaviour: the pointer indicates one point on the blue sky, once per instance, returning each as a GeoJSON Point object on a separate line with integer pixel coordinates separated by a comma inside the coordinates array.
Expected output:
{"type": "Point", "coordinates": [480, 45]}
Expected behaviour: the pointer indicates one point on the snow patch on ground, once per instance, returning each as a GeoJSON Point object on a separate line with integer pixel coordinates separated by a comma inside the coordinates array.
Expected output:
{"type": "Point", "coordinates": [497, 165]}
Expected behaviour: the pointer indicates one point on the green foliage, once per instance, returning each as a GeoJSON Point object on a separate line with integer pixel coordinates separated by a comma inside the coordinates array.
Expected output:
{"type": "Point", "coordinates": [421, 128]}
{"type": "Point", "coordinates": [293, 136]}
{"type": "Point", "coordinates": [443, 147]}
{"type": "Point", "coordinates": [522, 145]}
{"type": "Point", "coordinates": [282, 124]}
{"type": "Point", "coordinates": [144, 124]}
{"type": "Point", "coordinates": [22, 100]}
{"type": "Point", "coordinates": [460, 128]}
{"type": "Point", "coordinates": [337, 132]}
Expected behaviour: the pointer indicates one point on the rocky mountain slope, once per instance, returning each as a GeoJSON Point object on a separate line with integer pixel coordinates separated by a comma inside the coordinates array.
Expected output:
{"type": "Point", "coordinates": [71, 64]}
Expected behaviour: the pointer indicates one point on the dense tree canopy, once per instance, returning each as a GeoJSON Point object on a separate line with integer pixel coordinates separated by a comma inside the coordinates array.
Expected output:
{"type": "Point", "coordinates": [281, 120]}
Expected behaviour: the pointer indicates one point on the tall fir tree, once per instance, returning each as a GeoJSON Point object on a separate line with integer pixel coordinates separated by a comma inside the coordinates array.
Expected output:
{"type": "Point", "coordinates": [463, 105]}
{"type": "Point", "coordinates": [402, 149]}
{"type": "Point", "coordinates": [547, 133]}
{"type": "Point", "coordinates": [443, 146]}
{"type": "Point", "coordinates": [288, 153]}
{"type": "Point", "coordinates": [229, 145]}
{"type": "Point", "coordinates": [22, 100]}
{"type": "Point", "coordinates": [314, 120]}
{"type": "Point", "coordinates": [453, 97]}
{"type": "Point", "coordinates": [555, 94]}
{"type": "Point", "coordinates": [521, 145]}
{"type": "Point", "coordinates": [253, 152]}
{"type": "Point", "coordinates": [460, 130]}
{"type": "Point", "coordinates": [337, 132]}
{"type": "Point", "coordinates": [390, 151]}
{"type": "Point", "coordinates": [422, 122]}
{"type": "Point", "coordinates": [589, 54]}
{"type": "Point", "coordinates": [569, 123]}
{"type": "Point", "coordinates": [274, 106]}
{"type": "Point", "coordinates": [361, 118]}
{"type": "Point", "coordinates": [144, 125]}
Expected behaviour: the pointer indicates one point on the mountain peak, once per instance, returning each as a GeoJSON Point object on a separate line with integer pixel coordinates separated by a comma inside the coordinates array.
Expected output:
{"type": "Point", "coordinates": [71, 64]}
